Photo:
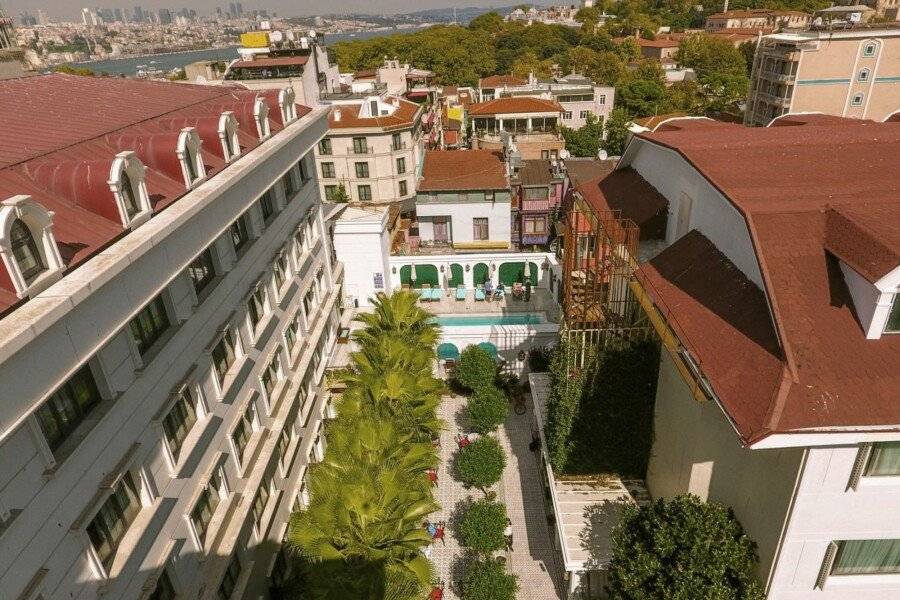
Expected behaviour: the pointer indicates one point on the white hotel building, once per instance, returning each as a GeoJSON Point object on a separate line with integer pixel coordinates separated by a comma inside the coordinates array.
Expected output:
{"type": "Point", "coordinates": [168, 302]}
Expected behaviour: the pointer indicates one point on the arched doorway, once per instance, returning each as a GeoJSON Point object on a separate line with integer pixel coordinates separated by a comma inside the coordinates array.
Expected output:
{"type": "Point", "coordinates": [480, 273]}
{"type": "Point", "coordinates": [456, 276]}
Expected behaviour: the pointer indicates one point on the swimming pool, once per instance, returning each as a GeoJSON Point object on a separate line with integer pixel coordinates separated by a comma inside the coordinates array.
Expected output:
{"type": "Point", "coordinates": [483, 320]}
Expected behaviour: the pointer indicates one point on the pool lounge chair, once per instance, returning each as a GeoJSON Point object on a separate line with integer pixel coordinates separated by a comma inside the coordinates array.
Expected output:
{"type": "Point", "coordinates": [425, 292]}
{"type": "Point", "coordinates": [500, 292]}
{"type": "Point", "coordinates": [479, 293]}
{"type": "Point", "coordinates": [461, 292]}
{"type": "Point", "coordinates": [436, 294]}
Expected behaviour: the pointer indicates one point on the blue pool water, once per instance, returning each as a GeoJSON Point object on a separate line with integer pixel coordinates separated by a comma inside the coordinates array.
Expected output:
{"type": "Point", "coordinates": [475, 320]}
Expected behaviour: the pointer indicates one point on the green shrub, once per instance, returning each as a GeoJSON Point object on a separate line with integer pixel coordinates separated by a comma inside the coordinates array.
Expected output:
{"type": "Point", "coordinates": [539, 360]}
{"type": "Point", "coordinates": [476, 368]}
{"type": "Point", "coordinates": [481, 528]}
{"type": "Point", "coordinates": [487, 579]}
{"type": "Point", "coordinates": [487, 409]}
{"type": "Point", "coordinates": [682, 548]}
{"type": "Point", "coordinates": [481, 463]}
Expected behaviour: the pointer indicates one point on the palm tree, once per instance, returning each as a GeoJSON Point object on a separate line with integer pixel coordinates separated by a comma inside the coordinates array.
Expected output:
{"type": "Point", "coordinates": [399, 314]}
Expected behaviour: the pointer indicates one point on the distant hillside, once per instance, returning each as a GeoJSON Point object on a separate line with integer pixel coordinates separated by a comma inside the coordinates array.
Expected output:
{"type": "Point", "coordinates": [463, 15]}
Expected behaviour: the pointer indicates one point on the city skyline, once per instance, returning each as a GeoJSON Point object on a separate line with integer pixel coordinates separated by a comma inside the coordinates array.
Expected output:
{"type": "Point", "coordinates": [70, 10]}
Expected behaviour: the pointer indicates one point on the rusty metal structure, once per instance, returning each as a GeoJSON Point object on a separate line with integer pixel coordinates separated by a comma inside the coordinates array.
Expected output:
{"type": "Point", "coordinates": [599, 260]}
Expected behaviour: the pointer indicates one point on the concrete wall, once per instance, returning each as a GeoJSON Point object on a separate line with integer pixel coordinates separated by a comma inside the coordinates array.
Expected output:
{"type": "Point", "coordinates": [384, 178]}
{"type": "Point", "coordinates": [462, 214]}
{"type": "Point", "coordinates": [83, 319]}
{"type": "Point", "coordinates": [696, 450]}
{"type": "Point", "coordinates": [363, 246]}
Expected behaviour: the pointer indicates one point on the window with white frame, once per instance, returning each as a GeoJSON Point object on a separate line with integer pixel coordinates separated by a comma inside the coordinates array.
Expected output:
{"type": "Point", "coordinates": [202, 272]}
{"type": "Point", "coordinates": [68, 407]}
{"type": "Point", "coordinates": [328, 171]}
{"type": "Point", "coordinates": [256, 306]}
{"type": "Point", "coordinates": [204, 508]}
{"type": "Point", "coordinates": [857, 99]}
{"type": "Point", "coordinates": [260, 501]}
{"type": "Point", "coordinates": [567, 115]}
{"type": "Point", "coordinates": [267, 205]}
{"type": "Point", "coordinates": [308, 301]}
{"type": "Point", "coordinates": [863, 75]}
{"type": "Point", "coordinates": [27, 247]}
{"type": "Point", "coordinates": [188, 152]}
{"type": "Point", "coordinates": [280, 270]}
{"type": "Point", "coordinates": [244, 429]}
{"type": "Point", "coordinates": [883, 460]}
{"type": "Point", "coordinates": [240, 233]}
{"type": "Point", "coordinates": [401, 165]}
{"type": "Point", "coordinates": [228, 136]}
{"type": "Point", "coordinates": [107, 529]}
{"type": "Point", "coordinates": [149, 325]}
{"type": "Point", "coordinates": [224, 354]}
{"type": "Point", "coordinates": [25, 250]}
{"type": "Point", "coordinates": [602, 99]}
{"type": "Point", "coordinates": [126, 181]}
{"type": "Point", "coordinates": [261, 115]}
{"type": "Point", "coordinates": [287, 104]}
{"type": "Point", "coordinates": [869, 49]}
{"type": "Point", "coordinates": [584, 114]}
{"type": "Point", "coordinates": [272, 375]}
{"type": "Point", "coordinates": [179, 420]}
{"type": "Point", "coordinates": [229, 579]}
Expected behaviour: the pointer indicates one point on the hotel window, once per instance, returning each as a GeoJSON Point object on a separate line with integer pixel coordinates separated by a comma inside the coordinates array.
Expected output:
{"type": "Point", "coordinates": [480, 228]}
{"type": "Point", "coordinates": [230, 579]}
{"type": "Point", "coordinates": [284, 442]}
{"type": "Point", "coordinates": [535, 225]}
{"type": "Point", "coordinates": [260, 501]}
{"type": "Point", "coordinates": [290, 188]}
{"type": "Point", "coordinates": [584, 114]}
{"type": "Point", "coordinates": [25, 250]}
{"type": "Point", "coordinates": [256, 306]}
{"type": "Point", "coordinates": [364, 192]}
{"type": "Point", "coordinates": [149, 325]}
{"type": "Point", "coordinates": [325, 146]}
{"type": "Point", "coordinates": [239, 233]}
{"type": "Point", "coordinates": [111, 523]}
{"type": "Point", "coordinates": [308, 304]}
{"type": "Point", "coordinates": [202, 271]}
{"type": "Point", "coordinates": [290, 333]}
{"type": "Point", "coordinates": [567, 115]}
{"type": "Point", "coordinates": [224, 355]}
{"type": "Point", "coordinates": [401, 165]}
{"type": "Point", "coordinates": [362, 170]}
{"type": "Point", "coordinates": [267, 205]}
{"type": "Point", "coordinates": [301, 168]}
{"type": "Point", "coordinates": [242, 432]}
{"type": "Point", "coordinates": [396, 143]}
{"type": "Point", "coordinates": [129, 196]}
{"type": "Point", "coordinates": [178, 422]}
{"type": "Point", "coordinates": [602, 99]}
{"type": "Point", "coordinates": [884, 460]}
{"type": "Point", "coordinates": [359, 145]}
{"type": "Point", "coordinates": [206, 505]}
{"type": "Point", "coordinates": [863, 75]}
{"type": "Point", "coordinates": [867, 557]}
{"type": "Point", "coordinates": [328, 170]}
{"type": "Point", "coordinates": [857, 100]}
{"type": "Point", "coordinates": [272, 375]}
{"type": "Point", "coordinates": [67, 408]}
{"type": "Point", "coordinates": [164, 589]}
{"type": "Point", "coordinates": [331, 193]}
{"type": "Point", "coordinates": [893, 321]}
{"type": "Point", "coordinates": [403, 189]}
{"type": "Point", "coordinates": [279, 270]}
{"type": "Point", "coordinates": [869, 49]}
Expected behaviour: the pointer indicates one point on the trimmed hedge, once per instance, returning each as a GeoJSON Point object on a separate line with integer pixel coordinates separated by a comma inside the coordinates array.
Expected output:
{"type": "Point", "coordinates": [482, 526]}
{"type": "Point", "coordinates": [481, 463]}
{"type": "Point", "coordinates": [487, 579]}
{"type": "Point", "coordinates": [487, 409]}
{"type": "Point", "coordinates": [476, 368]}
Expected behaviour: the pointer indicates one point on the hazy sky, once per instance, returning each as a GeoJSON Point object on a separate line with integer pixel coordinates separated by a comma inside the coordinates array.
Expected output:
{"type": "Point", "coordinates": [71, 9]}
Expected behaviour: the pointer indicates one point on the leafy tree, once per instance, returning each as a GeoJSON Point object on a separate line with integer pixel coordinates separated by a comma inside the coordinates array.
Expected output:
{"type": "Point", "coordinates": [476, 368]}
{"type": "Point", "coordinates": [585, 141]}
{"type": "Point", "coordinates": [481, 527]}
{"type": "Point", "coordinates": [70, 70]}
{"type": "Point", "coordinates": [687, 97]}
{"type": "Point", "coordinates": [721, 68]}
{"type": "Point", "coordinates": [487, 579]}
{"type": "Point", "coordinates": [487, 409]}
{"type": "Point", "coordinates": [562, 406]}
{"type": "Point", "coordinates": [748, 51]}
{"type": "Point", "coordinates": [481, 463]}
{"type": "Point", "coordinates": [682, 548]}
{"type": "Point", "coordinates": [491, 22]}
{"type": "Point", "coordinates": [616, 128]}
{"type": "Point", "coordinates": [588, 17]}
{"type": "Point", "coordinates": [628, 50]}
{"type": "Point", "coordinates": [605, 68]}
{"type": "Point", "coordinates": [529, 63]}
{"type": "Point", "coordinates": [599, 41]}
{"type": "Point", "coordinates": [643, 92]}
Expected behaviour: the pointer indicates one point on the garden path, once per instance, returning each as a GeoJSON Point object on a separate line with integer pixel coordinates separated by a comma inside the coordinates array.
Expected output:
{"type": "Point", "coordinates": [533, 559]}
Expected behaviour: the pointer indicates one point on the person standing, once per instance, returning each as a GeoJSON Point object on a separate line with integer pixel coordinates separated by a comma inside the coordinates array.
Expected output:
{"type": "Point", "coordinates": [508, 534]}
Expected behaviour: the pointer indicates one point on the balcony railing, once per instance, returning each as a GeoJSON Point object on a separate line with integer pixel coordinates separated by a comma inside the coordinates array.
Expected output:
{"type": "Point", "coordinates": [779, 77]}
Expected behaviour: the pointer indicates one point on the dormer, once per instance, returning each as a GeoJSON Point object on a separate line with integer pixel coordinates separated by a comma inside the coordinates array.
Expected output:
{"type": "Point", "coordinates": [27, 246]}
{"type": "Point", "coordinates": [287, 102]}
{"type": "Point", "coordinates": [228, 136]}
{"type": "Point", "coordinates": [128, 185]}
{"type": "Point", "coordinates": [261, 118]}
{"type": "Point", "coordinates": [188, 152]}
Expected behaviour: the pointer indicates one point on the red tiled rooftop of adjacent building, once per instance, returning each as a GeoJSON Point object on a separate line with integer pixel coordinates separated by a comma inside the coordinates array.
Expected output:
{"type": "Point", "coordinates": [722, 318]}
{"type": "Point", "coordinates": [404, 116]}
{"type": "Point", "coordinates": [62, 132]}
{"type": "Point", "coordinates": [624, 190]}
{"type": "Point", "coordinates": [523, 104]}
{"type": "Point", "coordinates": [280, 61]}
{"type": "Point", "coordinates": [450, 170]}
{"type": "Point", "coordinates": [495, 81]}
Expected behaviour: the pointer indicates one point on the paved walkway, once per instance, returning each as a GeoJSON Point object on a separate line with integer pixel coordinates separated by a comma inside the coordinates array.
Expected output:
{"type": "Point", "coordinates": [533, 558]}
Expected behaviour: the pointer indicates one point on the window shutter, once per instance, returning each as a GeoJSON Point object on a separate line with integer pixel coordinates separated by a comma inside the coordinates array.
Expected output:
{"type": "Point", "coordinates": [862, 457]}
{"type": "Point", "coordinates": [830, 554]}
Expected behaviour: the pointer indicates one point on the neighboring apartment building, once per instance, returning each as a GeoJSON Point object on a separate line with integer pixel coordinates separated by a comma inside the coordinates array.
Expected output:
{"type": "Point", "coordinates": [848, 73]}
{"type": "Point", "coordinates": [530, 124]}
{"type": "Point", "coordinates": [777, 300]}
{"type": "Point", "coordinates": [12, 58]}
{"type": "Point", "coordinates": [578, 95]}
{"type": "Point", "coordinates": [537, 191]}
{"type": "Point", "coordinates": [758, 18]}
{"type": "Point", "coordinates": [372, 151]}
{"type": "Point", "coordinates": [279, 59]}
{"type": "Point", "coordinates": [168, 303]}
{"type": "Point", "coordinates": [463, 200]}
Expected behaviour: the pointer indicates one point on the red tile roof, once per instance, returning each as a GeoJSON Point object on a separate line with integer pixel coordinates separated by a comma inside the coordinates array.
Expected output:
{"type": "Point", "coordinates": [523, 104]}
{"type": "Point", "coordinates": [281, 61]}
{"type": "Point", "coordinates": [404, 117]}
{"type": "Point", "coordinates": [62, 132]}
{"type": "Point", "coordinates": [451, 170]}
{"type": "Point", "coordinates": [495, 81]}
{"type": "Point", "coordinates": [626, 191]}
{"type": "Point", "coordinates": [783, 181]}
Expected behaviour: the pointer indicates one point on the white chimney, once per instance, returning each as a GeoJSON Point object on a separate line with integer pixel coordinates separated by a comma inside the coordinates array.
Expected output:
{"type": "Point", "coordinates": [337, 114]}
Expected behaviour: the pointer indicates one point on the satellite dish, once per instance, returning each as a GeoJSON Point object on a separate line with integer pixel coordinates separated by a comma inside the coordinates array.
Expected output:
{"type": "Point", "coordinates": [276, 37]}
{"type": "Point", "coordinates": [602, 155]}
{"type": "Point", "coordinates": [312, 33]}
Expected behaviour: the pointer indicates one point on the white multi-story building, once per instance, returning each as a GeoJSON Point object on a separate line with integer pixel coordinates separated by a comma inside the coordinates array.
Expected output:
{"type": "Point", "coordinates": [372, 150]}
{"type": "Point", "coordinates": [168, 299]}
{"type": "Point", "coordinates": [778, 302]}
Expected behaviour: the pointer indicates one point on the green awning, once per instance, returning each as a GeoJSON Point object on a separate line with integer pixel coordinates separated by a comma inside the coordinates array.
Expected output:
{"type": "Point", "coordinates": [424, 274]}
{"type": "Point", "coordinates": [480, 273]}
{"type": "Point", "coordinates": [514, 272]}
{"type": "Point", "coordinates": [447, 351]}
{"type": "Point", "coordinates": [456, 275]}
{"type": "Point", "coordinates": [489, 348]}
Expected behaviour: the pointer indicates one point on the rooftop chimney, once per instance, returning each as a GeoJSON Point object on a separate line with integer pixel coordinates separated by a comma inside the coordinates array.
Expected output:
{"type": "Point", "coordinates": [337, 114]}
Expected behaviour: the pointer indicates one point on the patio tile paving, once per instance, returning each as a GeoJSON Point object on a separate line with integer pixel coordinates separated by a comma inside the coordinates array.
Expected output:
{"type": "Point", "coordinates": [533, 559]}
